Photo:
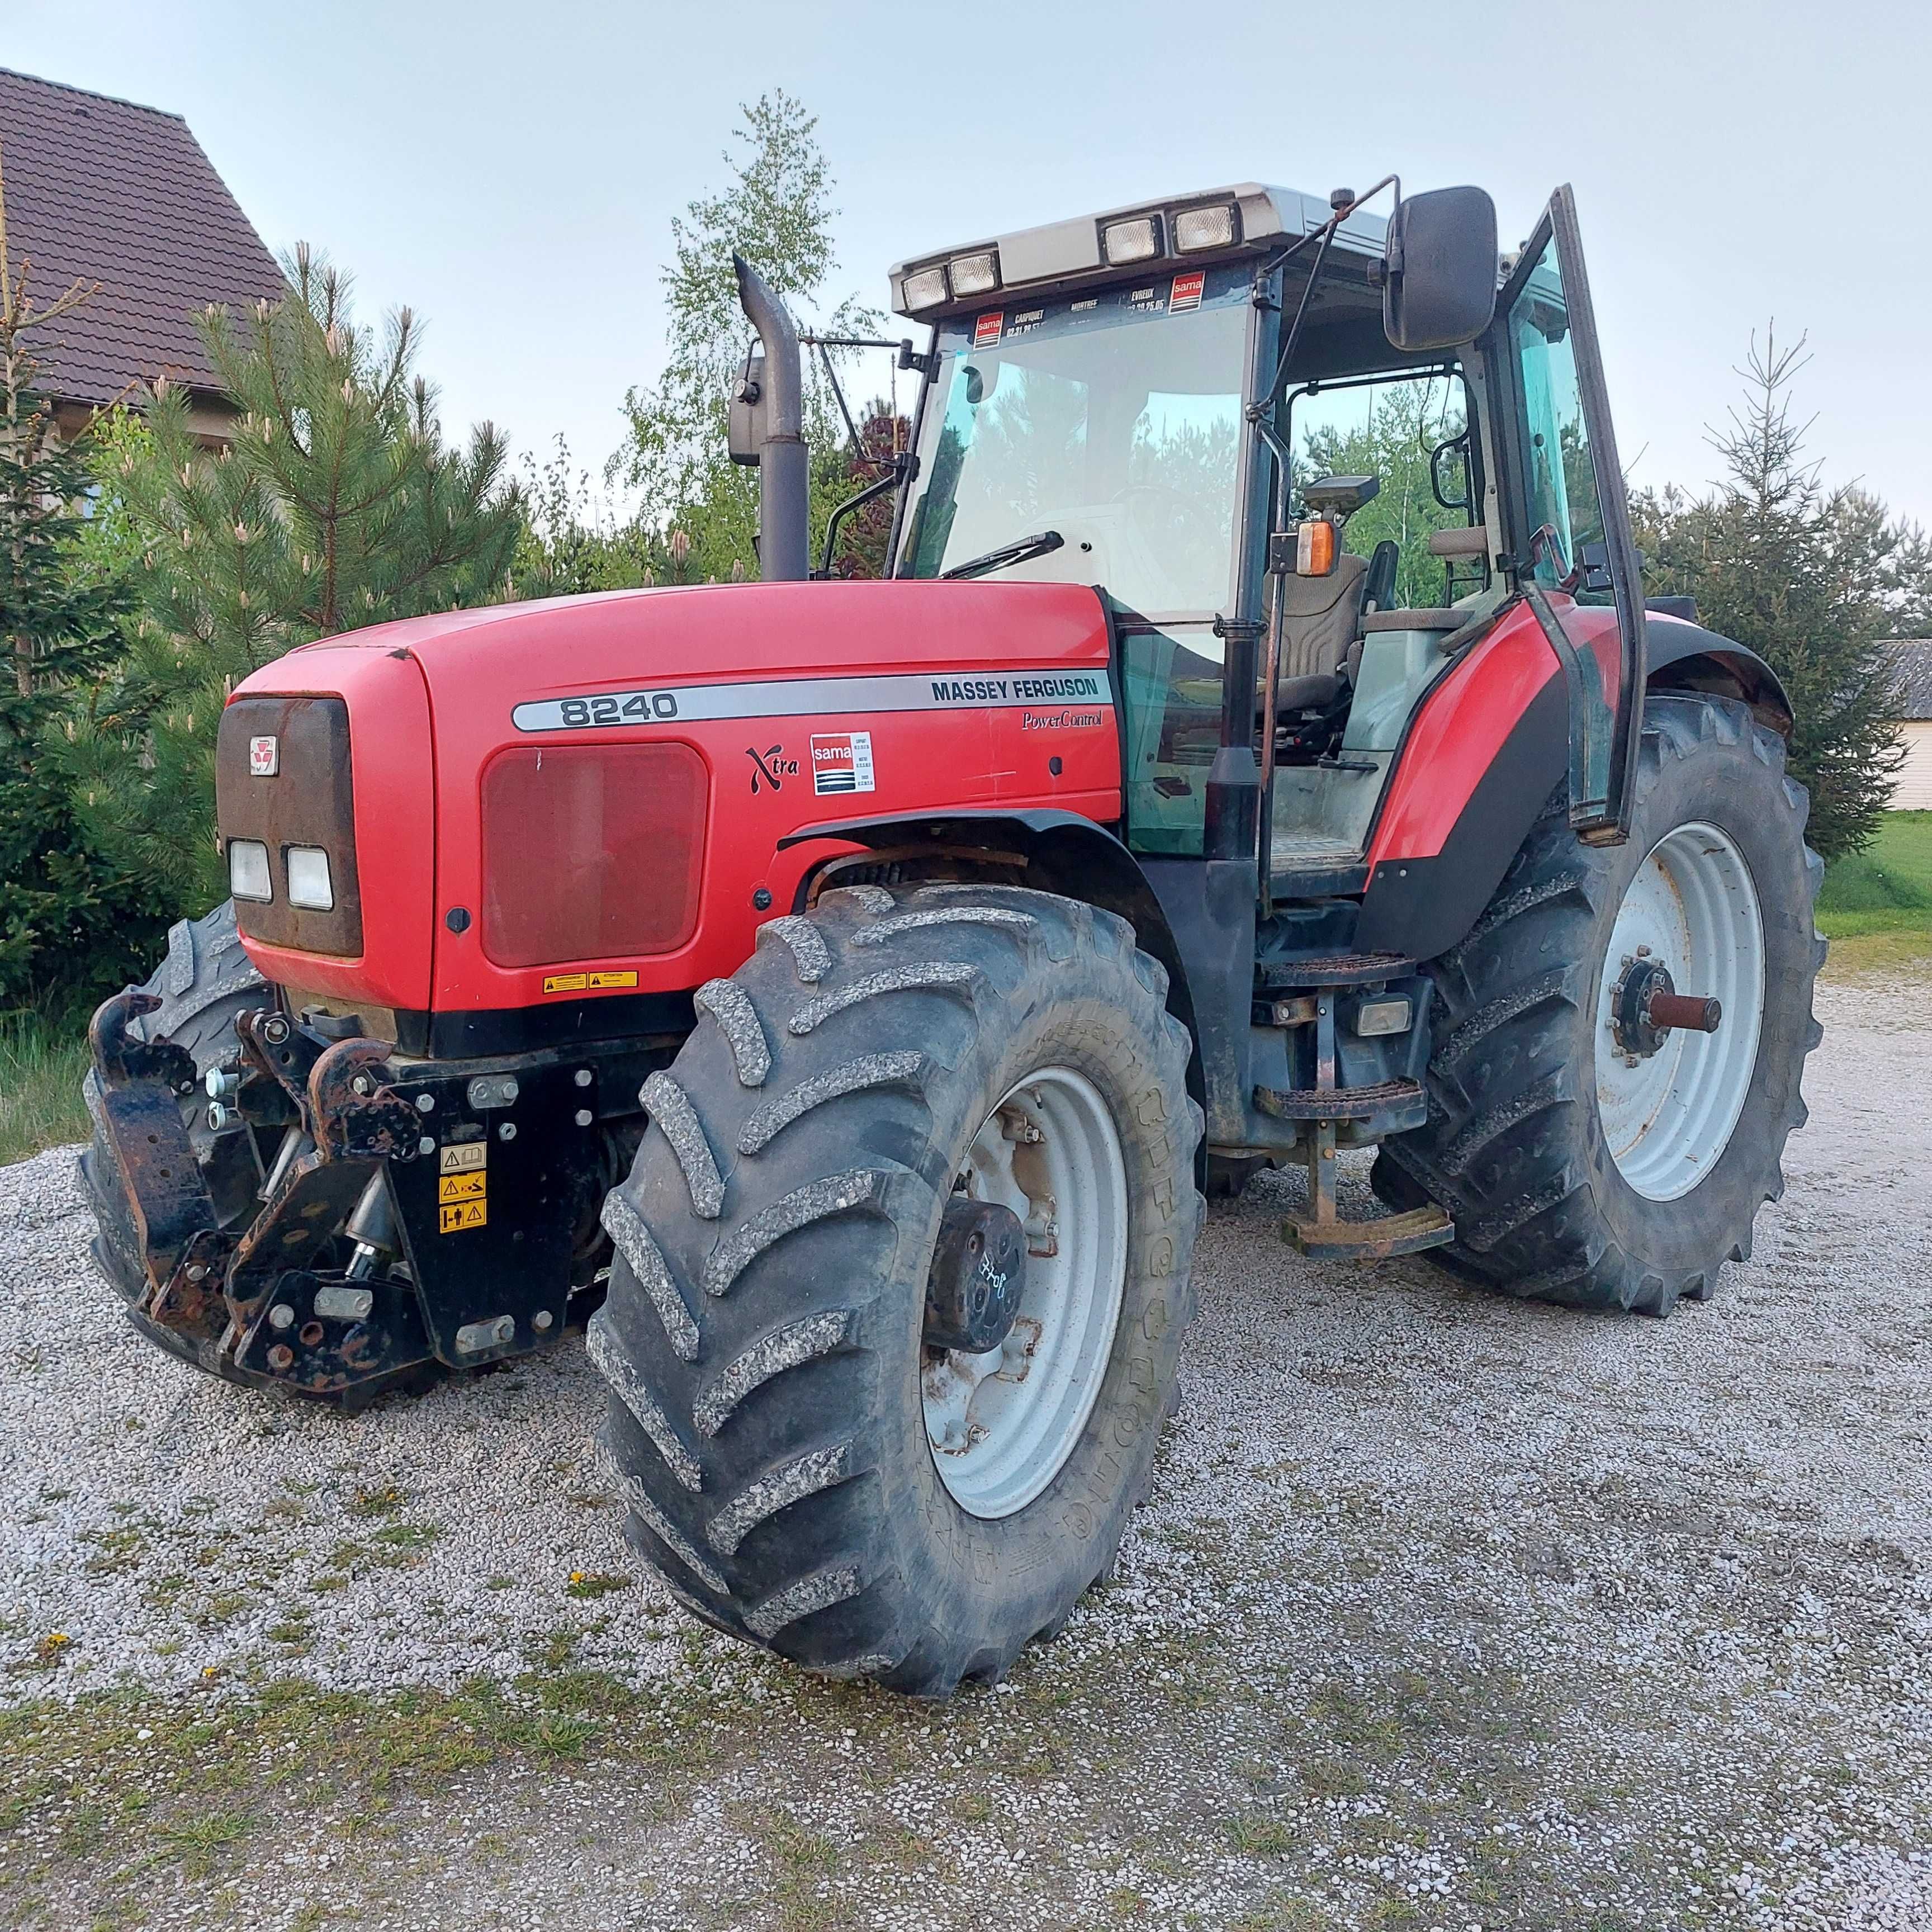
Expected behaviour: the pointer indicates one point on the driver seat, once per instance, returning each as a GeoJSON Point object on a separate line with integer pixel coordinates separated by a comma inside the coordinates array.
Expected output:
{"type": "Point", "coordinates": [1320, 623]}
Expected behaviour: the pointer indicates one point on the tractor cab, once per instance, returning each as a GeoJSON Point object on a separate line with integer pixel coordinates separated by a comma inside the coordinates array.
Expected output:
{"type": "Point", "coordinates": [1275, 434]}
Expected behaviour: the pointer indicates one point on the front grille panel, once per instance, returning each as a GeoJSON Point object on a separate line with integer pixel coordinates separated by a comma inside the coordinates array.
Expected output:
{"type": "Point", "coordinates": [591, 852]}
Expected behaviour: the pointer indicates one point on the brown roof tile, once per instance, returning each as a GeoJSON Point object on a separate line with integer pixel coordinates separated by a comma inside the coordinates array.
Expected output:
{"type": "Point", "coordinates": [108, 191]}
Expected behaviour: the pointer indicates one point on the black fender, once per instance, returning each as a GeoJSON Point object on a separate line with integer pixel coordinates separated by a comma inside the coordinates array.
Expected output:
{"type": "Point", "coordinates": [1419, 908]}
{"type": "Point", "coordinates": [1080, 859]}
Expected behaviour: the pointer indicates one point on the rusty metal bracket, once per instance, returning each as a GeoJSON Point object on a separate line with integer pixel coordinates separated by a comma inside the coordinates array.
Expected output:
{"type": "Point", "coordinates": [354, 1114]}
{"type": "Point", "coordinates": [120, 1059]}
{"type": "Point", "coordinates": [279, 1050]}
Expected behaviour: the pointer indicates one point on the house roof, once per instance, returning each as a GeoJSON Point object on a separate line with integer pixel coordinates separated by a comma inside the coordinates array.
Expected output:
{"type": "Point", "coordinates": [105, 191]}
{"type": "Point", "coordinates": [1911, 660]}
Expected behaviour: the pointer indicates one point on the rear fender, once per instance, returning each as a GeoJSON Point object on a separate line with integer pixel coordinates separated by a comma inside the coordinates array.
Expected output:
{"type": "Point", "coordinates": [1488, 746]}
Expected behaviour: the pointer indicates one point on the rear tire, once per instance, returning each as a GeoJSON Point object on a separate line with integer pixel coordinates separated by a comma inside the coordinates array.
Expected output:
{"type": "Point", "coordinates": [204, 982]}
{"type": "Point", "coordinates": [1565, 1186]}
{"type": "Point", "coordinates": [763, 1332]}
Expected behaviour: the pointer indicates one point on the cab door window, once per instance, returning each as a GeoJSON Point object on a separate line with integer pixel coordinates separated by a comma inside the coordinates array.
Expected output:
{"type": "Point", "coordinates": [1558, 465]}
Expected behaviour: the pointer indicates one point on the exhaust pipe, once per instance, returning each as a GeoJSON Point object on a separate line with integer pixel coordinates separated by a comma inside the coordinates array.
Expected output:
{"type": "Point", "coordinates": [778, 413]}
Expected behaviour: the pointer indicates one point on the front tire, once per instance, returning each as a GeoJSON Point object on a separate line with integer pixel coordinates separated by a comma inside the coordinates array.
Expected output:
{"type": "Point", "coordinates": [206, 981]}
{"type": "Point", "coordinates": [784, 1431]}
{"type": "Point", "coordinates": [1590, 1165]}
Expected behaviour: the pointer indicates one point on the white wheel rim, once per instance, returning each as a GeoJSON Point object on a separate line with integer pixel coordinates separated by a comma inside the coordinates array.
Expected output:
{"type": "Point", "coordinates": [1002, 1424]}
{"type": "Point", "coordinates": [1693, 907]}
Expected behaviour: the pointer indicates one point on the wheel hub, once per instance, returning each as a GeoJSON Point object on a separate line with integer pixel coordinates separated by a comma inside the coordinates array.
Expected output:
{"type": "Point", "coordinates": [1018, 1330]}
{"type": "Point", "coordinates": [978, 1277]}
{"type": "Point", "coordinates": [1672, 1070]}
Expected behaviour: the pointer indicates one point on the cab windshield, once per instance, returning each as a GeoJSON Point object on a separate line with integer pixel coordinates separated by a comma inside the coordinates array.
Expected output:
{"type": "Point", "coordinates": [1113, 421]}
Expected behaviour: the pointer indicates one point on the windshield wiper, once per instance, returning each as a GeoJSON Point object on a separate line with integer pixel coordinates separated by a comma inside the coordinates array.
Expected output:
{"type": "Point", "coordinates": [1039, 544]}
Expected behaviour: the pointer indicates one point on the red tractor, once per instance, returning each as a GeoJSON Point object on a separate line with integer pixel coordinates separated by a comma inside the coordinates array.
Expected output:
{"type": "Point", "coordinates": [842, 995]}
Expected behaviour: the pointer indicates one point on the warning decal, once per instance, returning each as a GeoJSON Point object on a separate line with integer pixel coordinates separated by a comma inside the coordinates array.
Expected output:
{"type": "Point", "coordinates": [452, 1217]}
{"type": "Point", "coordinates": [462, 1187]}
{"type": "Point", "coordinates": [586, 983]}
{"type": "Point", "coordinates": [841, 761]}
{"type": "Point", "coordinates": [1186, 292]}
{"type": "Point", "coordinates": [989, 328]}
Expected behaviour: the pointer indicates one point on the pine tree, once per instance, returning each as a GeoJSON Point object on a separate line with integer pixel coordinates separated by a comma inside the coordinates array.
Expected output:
{"type": "Point", "coordinates": [1814, 581]}
{"type": "Point", "coordinates": [71, 927]}
{"type": "Point", "coordinates": [336, 506]}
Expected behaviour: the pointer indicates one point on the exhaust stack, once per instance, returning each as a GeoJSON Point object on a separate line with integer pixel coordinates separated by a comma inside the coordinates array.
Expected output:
{"type": "Point", "coordinates": [777, 430]}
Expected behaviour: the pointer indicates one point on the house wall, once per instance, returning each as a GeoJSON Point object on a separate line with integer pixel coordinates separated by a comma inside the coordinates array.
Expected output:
{"type": "Point", "coordinates": [1913, 791]}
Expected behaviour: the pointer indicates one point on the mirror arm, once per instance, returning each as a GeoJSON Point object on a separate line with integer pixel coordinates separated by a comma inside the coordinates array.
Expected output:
{"type": "Point", "coordinates": [1326, 232]}
{"type": "Point", "coordinates": [900, 466]}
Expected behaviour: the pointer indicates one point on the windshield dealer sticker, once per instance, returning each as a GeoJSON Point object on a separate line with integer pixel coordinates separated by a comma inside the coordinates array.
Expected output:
{"type": "Point", "coordinates": [1186, 292]}
{"type": "Point", "coordinates": [841, 761]}
{"type": "Point", "coordinates": [819, 698]}
{"type": "Point", "coordinates": [989, 328]}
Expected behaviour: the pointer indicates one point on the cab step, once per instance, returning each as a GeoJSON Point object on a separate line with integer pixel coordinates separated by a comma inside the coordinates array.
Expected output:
{"type": "Point", "coordinates": [1409, 1233]}
{"type": "Point", "coordinates": [1338, 1103]}
{"type": "Point", "coordinates": [1345, 969]}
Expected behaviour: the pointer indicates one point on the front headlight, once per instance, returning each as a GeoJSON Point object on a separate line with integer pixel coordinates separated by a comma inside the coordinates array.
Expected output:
{"type": "Point", "coordinates": [248, 870]}
{"type": "Point", "coordinates": [309, 884]}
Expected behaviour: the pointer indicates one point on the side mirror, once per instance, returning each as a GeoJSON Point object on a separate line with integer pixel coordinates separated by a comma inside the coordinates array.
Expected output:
{"type": "Point", "coordinates": [1439, 289]}
{"type": "Point", "coordinates": [745, 423]}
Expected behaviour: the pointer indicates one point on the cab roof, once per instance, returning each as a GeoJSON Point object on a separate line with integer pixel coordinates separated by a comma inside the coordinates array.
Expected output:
{"type": "Point", "coordinates": [1065, 254]}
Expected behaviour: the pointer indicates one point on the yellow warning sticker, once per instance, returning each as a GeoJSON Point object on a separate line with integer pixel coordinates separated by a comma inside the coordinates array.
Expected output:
{"type": "Point", "coordinates": [587, 982]}
{"type": "Point", "coordinates": [461, 1187]}
{"type": "Point", "coordinates": [458, 1215]}
{"type": "Point", "coordinates": [464, 1157]}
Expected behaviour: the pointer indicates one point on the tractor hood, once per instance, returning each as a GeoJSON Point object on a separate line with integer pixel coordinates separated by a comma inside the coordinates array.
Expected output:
{"type": "Point", "coordinates": [592, 795]}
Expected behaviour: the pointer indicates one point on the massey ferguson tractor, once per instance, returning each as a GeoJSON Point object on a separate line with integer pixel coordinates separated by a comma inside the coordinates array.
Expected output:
{"type": "Point", "coordinates": [840, 996]}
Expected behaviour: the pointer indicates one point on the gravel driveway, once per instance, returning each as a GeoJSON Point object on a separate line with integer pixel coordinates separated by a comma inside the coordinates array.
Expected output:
{"type": "Point", "coordinates": [1447, 1612]}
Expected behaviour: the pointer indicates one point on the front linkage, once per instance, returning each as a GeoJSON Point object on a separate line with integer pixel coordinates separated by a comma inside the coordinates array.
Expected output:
{"type": "Point", "coordinates": [415, 1215]}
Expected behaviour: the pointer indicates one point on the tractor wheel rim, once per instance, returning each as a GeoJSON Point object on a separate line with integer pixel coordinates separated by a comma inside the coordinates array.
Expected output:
{"type": "Point", "coordinates": [1002, 1424]}
{"type": "Point", "coordinates": [1693, 907]}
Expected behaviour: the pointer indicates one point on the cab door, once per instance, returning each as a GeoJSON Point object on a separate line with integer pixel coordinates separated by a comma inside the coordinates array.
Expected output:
{"type": "Point", "coordinates": [1565, 513]}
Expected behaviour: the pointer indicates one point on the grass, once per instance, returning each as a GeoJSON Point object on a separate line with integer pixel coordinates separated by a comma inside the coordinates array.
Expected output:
{"type": "Point", "coordinates": [41, 1072]}
{"type": "Point", "coordinates": [1875, 906]}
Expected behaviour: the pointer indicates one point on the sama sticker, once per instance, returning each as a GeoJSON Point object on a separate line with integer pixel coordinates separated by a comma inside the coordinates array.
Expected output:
{"type": "Point", "coordinates": [841, 761]}
{"type": "Point", "coordinates": [586, 983]}
{"type": "Point", "coordinates": [264, 757]}
{"type": "Point", "coordinates": [989, 328]}
{"type": "Point", "coordinates": [1187, 291]}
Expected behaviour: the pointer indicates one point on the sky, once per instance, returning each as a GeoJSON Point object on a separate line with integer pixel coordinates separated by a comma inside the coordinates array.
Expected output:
{"type": "Point", "coordinates": [511, 171]}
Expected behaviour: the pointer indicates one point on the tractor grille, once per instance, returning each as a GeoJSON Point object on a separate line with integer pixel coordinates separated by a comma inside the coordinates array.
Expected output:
{"type": "Point", "coordinates": [282, 780]}
{"type": "Point", "coordinates": [591, 852]}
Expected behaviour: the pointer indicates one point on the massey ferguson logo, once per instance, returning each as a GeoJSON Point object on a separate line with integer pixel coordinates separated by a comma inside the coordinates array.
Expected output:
{"type": "Point", "coordinates": [264, 757]}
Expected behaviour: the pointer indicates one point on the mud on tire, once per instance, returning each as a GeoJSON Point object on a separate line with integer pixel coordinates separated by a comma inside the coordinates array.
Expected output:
{"type": "Point", "coordinates": [763, 1333]}
{"type": "Point", "coordinates": [1515, 1146]}
{"type": "Point", "coordinates": [205, 981]}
